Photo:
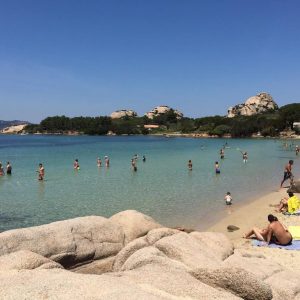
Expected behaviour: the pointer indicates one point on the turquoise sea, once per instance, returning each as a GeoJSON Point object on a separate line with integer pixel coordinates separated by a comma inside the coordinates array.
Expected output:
{"type": "Point", "coordinates": [163, 187]}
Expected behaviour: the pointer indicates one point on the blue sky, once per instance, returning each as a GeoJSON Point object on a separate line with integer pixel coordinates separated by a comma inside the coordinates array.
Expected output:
{"type": "Point", "coordinates": [93, 57]}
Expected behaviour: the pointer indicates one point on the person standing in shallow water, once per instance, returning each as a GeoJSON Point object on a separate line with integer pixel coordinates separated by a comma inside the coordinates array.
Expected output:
{"type": "Point", "coordinates": [245, 157]}
{"type": "Point", "coordinates": [8, 168]}
{"type": "Point", "coordinates": [99, 162]}
{"type": "Point", "coordinates": [1, 169]}
{"type": "Point", "coordinates": [41, 172]}
{"type": "Point", "coordinates": [133, 165]}
{"type": "Point", "coordinates": [106, 161]}
{"type": "Point", "coordinates": [190, 165]}
{"type": "Point", "coordinates": [144, 158]}
{"type": "Point", "coordinates": [217, 167]}
{"type": "Point", "coordinates": [222, 153]}
{"type": "Point", "coordinates": [76, 165]}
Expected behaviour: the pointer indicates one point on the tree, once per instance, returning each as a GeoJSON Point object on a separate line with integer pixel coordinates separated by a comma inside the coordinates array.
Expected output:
{"type": "Point", "coordinates": [290, 113]}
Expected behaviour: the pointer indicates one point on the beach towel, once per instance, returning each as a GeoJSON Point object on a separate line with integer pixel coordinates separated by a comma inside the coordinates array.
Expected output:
{"type": "Point", "coordinates": [296, 213]}
{"type": "Point", "coordinates": [294, 246]}
{"type": "Point", "coordinates": [295, 232]}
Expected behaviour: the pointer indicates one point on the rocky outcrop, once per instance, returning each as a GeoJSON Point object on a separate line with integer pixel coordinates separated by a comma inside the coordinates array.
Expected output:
{"type": "Point", "coordinates": [295, 187]}
{"type": "Point", "coordinates": [13, 129]}
{"type": "Point", "coordinates": [236, 280]}
{"type": "Point", "coordinates": [147, 261]}
{"type": "Point", "coordinates": [134, 224]}
{"type": "Point", "coordinates": [260, 103]}
{"type": "Point", "coordinates": [118, 114]}
{"type": "Point", "coordinates": [79, 240]}
{"type": "Point", "coordinates": [26, 260]}
{"type": "Point", "coordinates": [161, 110]}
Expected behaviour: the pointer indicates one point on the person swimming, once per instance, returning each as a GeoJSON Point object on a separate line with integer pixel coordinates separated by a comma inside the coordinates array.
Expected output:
{"type": "Point", "coordinates": [217, 167]}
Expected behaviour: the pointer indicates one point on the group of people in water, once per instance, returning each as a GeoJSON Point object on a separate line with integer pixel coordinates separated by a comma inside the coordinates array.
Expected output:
{"type": "Point", "coordinates": [7, 170]}
{"type": "Point", "coordinates": [222, 156]}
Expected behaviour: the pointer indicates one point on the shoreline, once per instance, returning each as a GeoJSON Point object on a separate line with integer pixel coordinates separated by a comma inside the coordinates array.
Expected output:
{"type": "Point", "coordinates": [166, 135]}
{"type": "Point", "coordinates": [252, 213]}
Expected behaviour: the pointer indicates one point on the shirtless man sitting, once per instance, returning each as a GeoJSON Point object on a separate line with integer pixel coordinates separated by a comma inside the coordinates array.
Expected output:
{"type": "Point", "coordinates": [274, 233]}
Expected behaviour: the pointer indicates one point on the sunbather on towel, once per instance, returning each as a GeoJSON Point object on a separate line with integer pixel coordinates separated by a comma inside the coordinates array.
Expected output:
{"type": "Point", "coordinates": [274, 233]}
{"type": "Point", "coordinates": [290, 205]}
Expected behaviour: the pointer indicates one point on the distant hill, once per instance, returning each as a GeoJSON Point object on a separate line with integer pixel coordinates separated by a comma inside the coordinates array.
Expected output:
{"type": "Point", "coordinates": [4, 124]}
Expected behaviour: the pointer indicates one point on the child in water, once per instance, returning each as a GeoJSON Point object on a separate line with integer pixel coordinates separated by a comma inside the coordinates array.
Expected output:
{"type": "Point", "coordinates": [228, 198]}
{"type": "Point", "coordinates": [190, 165]}
{"type": "Point", "coordinates": [217, 168]}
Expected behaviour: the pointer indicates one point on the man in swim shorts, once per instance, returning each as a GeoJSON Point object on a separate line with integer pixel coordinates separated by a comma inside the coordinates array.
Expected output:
{"type": "Point", "coordinates": [287, 173]}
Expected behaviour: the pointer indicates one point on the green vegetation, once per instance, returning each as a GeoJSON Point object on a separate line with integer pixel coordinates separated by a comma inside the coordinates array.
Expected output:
{"type": "Point", "coordinates": [268, 124]}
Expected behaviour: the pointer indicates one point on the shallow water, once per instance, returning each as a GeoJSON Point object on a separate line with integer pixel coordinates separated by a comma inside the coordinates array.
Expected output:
{"type": "Point", "coordinates": [162, 187]}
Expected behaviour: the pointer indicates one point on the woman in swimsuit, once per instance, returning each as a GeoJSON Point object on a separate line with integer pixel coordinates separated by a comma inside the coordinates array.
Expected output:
{"type": "Point", "coordinates": [274, 233]}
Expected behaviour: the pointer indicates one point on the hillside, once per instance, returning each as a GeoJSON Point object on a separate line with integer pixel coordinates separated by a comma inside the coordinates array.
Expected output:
{"type": "Point", "coordinates": [4, 124]}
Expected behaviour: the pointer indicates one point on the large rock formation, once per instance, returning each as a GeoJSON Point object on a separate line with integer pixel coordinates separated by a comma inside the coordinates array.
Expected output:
{"type": "Point", "coordinates": [13, 129]}
{"type": "Point", "coordinates": [118, 114]}
{"type": "Point", "coordinates": [260, 103]}
{"type": "Point", "coordinates": [163, 109]}
{"type": "Point", "coordinates": [146, 262]}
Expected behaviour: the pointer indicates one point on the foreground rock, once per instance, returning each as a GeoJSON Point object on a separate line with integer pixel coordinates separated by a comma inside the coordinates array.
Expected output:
{"type": "Point", "coordinates": [78, 240]}
{"type": "Point", "coordinates": [140, 259]}
{"type": "Point", "coordinates": [260, 103]}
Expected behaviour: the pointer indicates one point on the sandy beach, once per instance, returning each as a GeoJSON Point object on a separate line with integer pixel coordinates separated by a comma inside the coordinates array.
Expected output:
{"type": "Point", "coordinates": [255, 213]}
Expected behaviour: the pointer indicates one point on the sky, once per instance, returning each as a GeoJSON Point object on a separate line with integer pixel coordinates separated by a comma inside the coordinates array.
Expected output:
{"type": "Point", "coordinates": [90, 58]}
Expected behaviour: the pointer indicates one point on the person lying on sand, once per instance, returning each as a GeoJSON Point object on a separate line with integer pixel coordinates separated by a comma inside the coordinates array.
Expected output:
{"type": "Point", "coordinates": [290, 205]}
{"type": "Point", "coordinates": [274, 233]}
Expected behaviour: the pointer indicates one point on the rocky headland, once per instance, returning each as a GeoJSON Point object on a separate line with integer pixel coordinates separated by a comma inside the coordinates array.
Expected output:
{"type": "Point", "coordinates": [118, 114]}
{"type": "Point", "coordinates": [258, 104]}
{"type": "Point", "coordinates": [130, 256]}
{"type": "Point", "coordinates": [161, 110]}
